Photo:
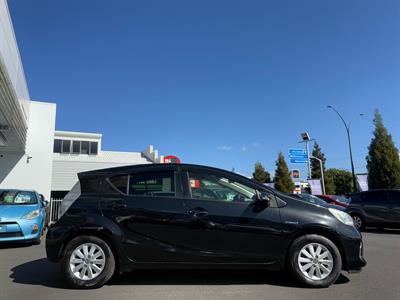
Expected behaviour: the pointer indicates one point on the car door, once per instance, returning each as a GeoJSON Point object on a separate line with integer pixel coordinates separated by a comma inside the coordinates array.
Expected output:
{"type": "Point", "coordinates": [223, 221]}
{"type": "Point", "coordinates": [149, 211]}
{"type": "Point", "coordinates": [374, 205]}
{"type": "Point", "coordinates": [394, 208]}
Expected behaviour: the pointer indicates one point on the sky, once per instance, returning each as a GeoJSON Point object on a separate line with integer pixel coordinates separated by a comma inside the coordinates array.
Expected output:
{"type": "Point", "coordinates": [220, 83]}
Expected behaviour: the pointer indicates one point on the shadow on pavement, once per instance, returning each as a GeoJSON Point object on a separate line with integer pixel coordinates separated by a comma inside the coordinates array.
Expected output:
{"type": "Point", "coordinates": [44, 273]}
{"type": "Point", "coordinates": [209, 277]}
{"type": "Point", "coordinates": [15, 245]}
{"type": "Point", "coordinates": [38, 272]}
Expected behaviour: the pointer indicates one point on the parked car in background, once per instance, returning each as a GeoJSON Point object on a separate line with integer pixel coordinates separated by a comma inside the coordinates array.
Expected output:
{"type": "Point", "coordinates": [188, 216]}
{"type": "Point", "coordinates": [332, 199]}
{"type": "Point", "coordinates": [315, 200]}
{"type": "Point", "coordinates": [375, 208]}
{"type": "Point", "coordinates": [22, 216]}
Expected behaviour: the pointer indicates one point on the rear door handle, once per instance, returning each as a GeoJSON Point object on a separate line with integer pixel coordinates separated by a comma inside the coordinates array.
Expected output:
{"type": "Point", "coordinates": [198, 212]}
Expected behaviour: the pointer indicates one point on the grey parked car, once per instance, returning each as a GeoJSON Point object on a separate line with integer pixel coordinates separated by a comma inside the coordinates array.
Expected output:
{"type": "Point", "coordinates": [376, 208]}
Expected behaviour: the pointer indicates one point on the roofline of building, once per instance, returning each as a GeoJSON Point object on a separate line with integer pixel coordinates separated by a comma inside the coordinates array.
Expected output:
{"type": "Point", "coordinates": [75, 134]}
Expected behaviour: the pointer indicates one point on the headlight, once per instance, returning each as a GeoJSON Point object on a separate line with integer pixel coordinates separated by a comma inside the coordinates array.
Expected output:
{"type": "Point", "coordinates": [342, 216]}
{"type": "Point", "coordinates": [31, 215]}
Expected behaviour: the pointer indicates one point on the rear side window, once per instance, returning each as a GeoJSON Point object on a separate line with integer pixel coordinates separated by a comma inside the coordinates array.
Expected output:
{"type": "Point", "coordinates": [161, 184]}
{"type": "Point", "coordinates": [119, 183]}
{"type": "Point", "coordinates": [374, 197]}
{"type": "Point", "coordinates": [69, 199]}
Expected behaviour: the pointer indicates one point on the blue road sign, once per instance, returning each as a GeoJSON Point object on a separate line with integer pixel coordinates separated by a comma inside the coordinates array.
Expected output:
{"type": "Point", "coordinates": [297, 152]}
{"type": "Point", "coordinates": [298, 160]}
{"type": "Point", "coordinates": [298, 156]}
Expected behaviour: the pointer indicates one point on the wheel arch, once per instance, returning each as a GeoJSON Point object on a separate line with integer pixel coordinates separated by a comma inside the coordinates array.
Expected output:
{"type": "Point", "coordinates": [327, 233]}
{"type": "Point", "coordinates": [102, 234]}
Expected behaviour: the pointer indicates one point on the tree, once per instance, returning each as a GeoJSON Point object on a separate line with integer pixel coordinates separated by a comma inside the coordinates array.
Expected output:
{"type": "Point", "coordinates": [283, 180]}
{"type": "Point", "coordinates": [316, 169]}
{"type": "Point", "coordinates": [260, 174]}
{"type": "Point", "coordinates": [383, 163]}
{"type": "Point", "coordinates": [342, 181]}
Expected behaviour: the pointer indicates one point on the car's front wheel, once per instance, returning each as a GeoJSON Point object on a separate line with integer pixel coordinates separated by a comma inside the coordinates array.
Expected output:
{"type": "Point", "coordinates": [88, 262]}
{"type": "Point", "coordinates": [315, 261]}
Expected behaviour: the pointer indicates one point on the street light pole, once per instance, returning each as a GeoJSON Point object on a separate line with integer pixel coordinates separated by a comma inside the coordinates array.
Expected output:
{"type": "Point", "coordinates": [322, 174]}
{"type": "Point", "coordinates": [348, 126]}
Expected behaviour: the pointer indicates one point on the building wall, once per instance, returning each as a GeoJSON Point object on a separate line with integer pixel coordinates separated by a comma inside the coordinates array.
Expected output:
{"type": "Point", "coordinates": [67, 166]}
{"type": "Point", "coordinates": [32, 169]}
{"type": "Point", "coordinates": [10, 58]}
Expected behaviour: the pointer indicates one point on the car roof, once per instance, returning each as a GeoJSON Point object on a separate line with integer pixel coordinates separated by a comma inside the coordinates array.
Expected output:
{"type": "Point", "coordinates": [158, 167]}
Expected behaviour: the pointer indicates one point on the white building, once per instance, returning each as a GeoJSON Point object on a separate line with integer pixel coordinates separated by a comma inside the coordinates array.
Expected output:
{"type": "Point", "coordinates": [76, 152]}
{"type": "Point", "coordinates": [26, 127]}
{"type": "Point", "coordinates": [28, 137]}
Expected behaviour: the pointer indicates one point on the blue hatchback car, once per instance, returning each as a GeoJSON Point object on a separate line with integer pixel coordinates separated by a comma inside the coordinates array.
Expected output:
{"type": "Point", "coordinates": [22, 216]}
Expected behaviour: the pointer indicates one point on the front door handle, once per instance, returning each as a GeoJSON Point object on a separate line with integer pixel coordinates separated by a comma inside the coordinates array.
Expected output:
{"type": "Point", "coordinates": [198, 212]}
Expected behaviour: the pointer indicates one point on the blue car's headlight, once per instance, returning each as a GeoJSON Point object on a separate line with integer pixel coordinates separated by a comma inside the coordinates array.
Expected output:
{"type": "Point", "coordinates": [32, 215]}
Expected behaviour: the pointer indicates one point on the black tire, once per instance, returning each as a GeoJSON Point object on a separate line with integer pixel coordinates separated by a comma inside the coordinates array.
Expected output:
{"type": "Point", "coordinates": [294, 267]}
{"type": "Point", "coordinates": [358, 221]}
{"type": "Point", "coordinates": [98, 281]}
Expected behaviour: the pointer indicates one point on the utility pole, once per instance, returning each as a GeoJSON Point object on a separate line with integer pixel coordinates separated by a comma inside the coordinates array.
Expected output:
{"type": "Point", "coordinates": [348, 126]}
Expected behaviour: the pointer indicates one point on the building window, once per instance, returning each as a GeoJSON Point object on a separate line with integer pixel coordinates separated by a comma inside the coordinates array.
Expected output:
{"type": "Point", "coordinates": [66, 146]}
{"type": "Point", "coordinates": [93, 148]}
{"type": "Point", "coordinates": [57, 146]}
{"type": "Point", "coordinates": [84, 147]}
{"type": "Point", "coordinates": [76, 147]}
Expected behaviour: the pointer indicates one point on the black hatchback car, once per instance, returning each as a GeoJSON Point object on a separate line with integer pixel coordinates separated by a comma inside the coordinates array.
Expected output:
{"type": "Point", "coordinates": [376, 208]}
{"type": "Point", "coordinates": [189, 216]}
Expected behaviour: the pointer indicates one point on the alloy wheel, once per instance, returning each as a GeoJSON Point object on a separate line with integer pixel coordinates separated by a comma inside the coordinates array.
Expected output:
{"type": "Point", "coordinates": [315, 261]}
{"type": "Point", "coordinates": [87, 261]}
{"type": "Point", "coordinates": [357, 221]}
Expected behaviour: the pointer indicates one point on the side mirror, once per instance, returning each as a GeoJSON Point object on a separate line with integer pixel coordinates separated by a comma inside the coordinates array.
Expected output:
{"type": "Point", "coordinates": [45, 203]}
{"type": "Point", "coordinates": [264, 198]}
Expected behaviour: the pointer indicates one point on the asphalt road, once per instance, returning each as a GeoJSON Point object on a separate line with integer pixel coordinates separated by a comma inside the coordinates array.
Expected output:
{"type": "Point", "coordinates": [25, 273]}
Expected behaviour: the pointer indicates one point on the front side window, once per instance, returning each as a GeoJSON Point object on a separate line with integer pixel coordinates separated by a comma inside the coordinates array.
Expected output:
{"type": "Point", "coordinates": [161, 184]}
{"type": "Point", "coordinates": [214, 187]}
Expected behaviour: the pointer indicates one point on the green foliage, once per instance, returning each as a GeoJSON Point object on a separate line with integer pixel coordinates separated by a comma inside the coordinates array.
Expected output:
{"type": "Point", "coordinates": [283, 179]}
{"type": "Point", "coordinates": [330, 188]}
{"type": "Point", "coordinates": [342, 181]}
{"type": "Point", "coordinates": [260, 174]}
{"type": "Point", "coordinates": [383, 161]}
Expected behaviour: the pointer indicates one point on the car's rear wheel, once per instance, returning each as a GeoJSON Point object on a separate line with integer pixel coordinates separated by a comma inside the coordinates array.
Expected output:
{"type": "Point", "coordinates": [315, 261]}
{"type": "Point", "coordinates": [88, 262]}
{"type": "Point", "coordinates": [358, 221]}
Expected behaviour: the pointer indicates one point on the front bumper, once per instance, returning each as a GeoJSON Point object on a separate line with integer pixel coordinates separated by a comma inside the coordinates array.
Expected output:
{"type": "Point", "coordinates": [353, 248]}
{"type": "Point", "coordinates": [21, 230]}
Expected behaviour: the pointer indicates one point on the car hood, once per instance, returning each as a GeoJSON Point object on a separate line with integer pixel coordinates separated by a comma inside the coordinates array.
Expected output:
{"type": "Point", "coordinates": [13, 212]}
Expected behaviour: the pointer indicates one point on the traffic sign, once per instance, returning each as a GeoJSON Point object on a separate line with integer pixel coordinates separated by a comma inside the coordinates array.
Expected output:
{"type": "Point", "coordinates": [297, 152]}
{"type": "Point", "coordinates": [298, 160]}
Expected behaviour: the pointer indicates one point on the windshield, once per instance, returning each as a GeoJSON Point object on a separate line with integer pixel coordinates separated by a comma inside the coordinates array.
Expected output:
{"type": "Point", "coordinates": [10, 197]}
